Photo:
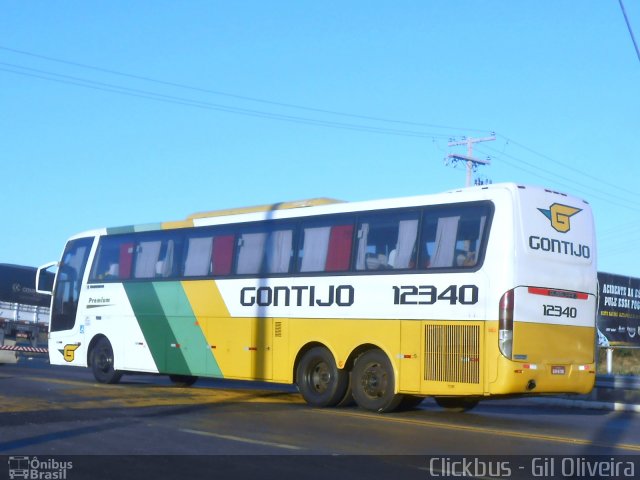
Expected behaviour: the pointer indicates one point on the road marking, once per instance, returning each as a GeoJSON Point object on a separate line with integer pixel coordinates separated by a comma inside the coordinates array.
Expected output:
{"type": "Point", "coordinates": [481, 430]}
{"type": "Point", "coordinates": [241, 439]}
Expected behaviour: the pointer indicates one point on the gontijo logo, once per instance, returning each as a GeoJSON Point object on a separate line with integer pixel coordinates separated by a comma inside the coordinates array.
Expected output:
{"type": "Point", "coordinates": [69, 352]}
{"type": "Point", "coordinates": [560, 216]}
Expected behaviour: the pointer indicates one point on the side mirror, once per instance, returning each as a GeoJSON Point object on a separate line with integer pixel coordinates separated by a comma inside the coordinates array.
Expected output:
{"type": "Point", "coordinates": [44, 279]}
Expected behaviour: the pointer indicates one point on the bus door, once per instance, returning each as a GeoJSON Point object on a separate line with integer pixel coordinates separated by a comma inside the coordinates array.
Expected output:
{"type": "Point", "coordinates": [67, 293]}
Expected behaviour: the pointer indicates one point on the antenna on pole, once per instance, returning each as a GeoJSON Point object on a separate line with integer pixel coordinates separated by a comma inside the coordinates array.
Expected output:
{"type": "Point", "coordinates": [472, 163]}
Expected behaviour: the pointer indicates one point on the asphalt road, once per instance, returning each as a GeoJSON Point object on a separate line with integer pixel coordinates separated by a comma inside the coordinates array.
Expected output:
{"type": "Point", "coordinates": [242, 429]}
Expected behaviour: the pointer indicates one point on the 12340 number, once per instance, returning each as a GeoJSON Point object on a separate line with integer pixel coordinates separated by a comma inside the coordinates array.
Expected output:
{"type": "Point", "coordinates": [429, 295]}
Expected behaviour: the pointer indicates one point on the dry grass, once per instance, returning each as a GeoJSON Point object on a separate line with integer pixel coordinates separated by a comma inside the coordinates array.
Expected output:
{"type": "Point", "coordinates": [626, 361]}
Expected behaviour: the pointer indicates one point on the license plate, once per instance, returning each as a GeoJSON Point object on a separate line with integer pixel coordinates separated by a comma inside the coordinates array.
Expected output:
{"type": "Point", "coordinates": [557, 370]}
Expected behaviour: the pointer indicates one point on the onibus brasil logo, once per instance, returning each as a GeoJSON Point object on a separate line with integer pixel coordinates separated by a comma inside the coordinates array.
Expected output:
{"type": "Point", "coordinates": [32, 468]}
{"type": "Point", "coordinates": [560, 216]}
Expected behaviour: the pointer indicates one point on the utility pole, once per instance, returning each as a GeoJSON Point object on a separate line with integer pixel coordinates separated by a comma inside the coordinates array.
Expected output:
{"type": "Point", "coordinates": [468, 158]}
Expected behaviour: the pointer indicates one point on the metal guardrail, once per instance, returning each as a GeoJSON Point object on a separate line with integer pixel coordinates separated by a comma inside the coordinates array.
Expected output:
{"type": "Point", "coordinates": [625, 382]}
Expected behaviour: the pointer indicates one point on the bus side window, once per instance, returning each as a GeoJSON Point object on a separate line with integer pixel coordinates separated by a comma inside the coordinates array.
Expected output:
{"type": "Point", "coordinates": [451, 237]}
{"type": "Point", "coordinates": [147, 253]}
{"type": "Point", "coordinates": [156, 255]}
{"type": "Point", "coordinates": [339, 254]}
{"type": "Point", "coordinates": [445, 242]}
{"type": "Point", "coordinates": [250, 252]}
{"type": "Point", "coordinates": [314, 248]}
{"type": "Point", "coordinates": [198, 258]}
{"type": "Point", "coordinates": [125, 260]}
{"type": "Point", "coordinates": [325, 247]}
{"type": "Point", "coordinates": [387, 242]}
{"type": "Point", "coordinates": [279, 251]}
{"type": "Point", "coordinates": [265, 250]}
{"type": "Point", "coordinates": [469, 238]}
{"type": "Point", "coordinates": [222, 255]}
{"type": "Point", "coordinates": [113, 259]}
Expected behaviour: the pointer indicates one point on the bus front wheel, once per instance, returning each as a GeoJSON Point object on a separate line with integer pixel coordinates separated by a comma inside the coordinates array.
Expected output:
{"type": "Point", "coordinates": [320, 381]}
{"type": "Point", "coordinates": [373, 382]}
{"type": "Point", "coordinates": [102, 362]}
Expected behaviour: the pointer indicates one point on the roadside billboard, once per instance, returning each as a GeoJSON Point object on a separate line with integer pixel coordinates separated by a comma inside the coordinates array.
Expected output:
{"type": "Point", "coordinates": [619, 310]}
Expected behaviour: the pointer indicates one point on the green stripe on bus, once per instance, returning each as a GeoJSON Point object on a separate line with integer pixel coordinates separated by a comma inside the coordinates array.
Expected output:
{"type": "Point", "coordinates": [156, 328]}
{"type": "Point", "coordinates": [191, 340]}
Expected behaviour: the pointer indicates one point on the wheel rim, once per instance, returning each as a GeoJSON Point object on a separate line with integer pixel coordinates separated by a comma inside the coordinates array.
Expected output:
{"type": "Point", "coordinates": [104, 360]}
{"type": "Point", "coordinates": [320, 377]}
{"type": "Point", "coordinates": [374, 381]}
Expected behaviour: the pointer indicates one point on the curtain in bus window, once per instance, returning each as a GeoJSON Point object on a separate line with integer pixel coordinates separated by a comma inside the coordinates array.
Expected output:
{"type": "Point", "coordinates": [279, 251]}
{"type": "Point", "coordinates": [362, 246]}
{"type": "Point", "coordinates": [126, 260]}
{"type": "Point", "coordinates": [250, 253]}
{"type": "Point", "coordinates": [339, 254]}
{"type": "Point", "coordinates": [316, 245]}
{"type": "Point", "coordinates": [407, 235]}
{"type": "Point", "coordinates": [445, 242]}
{"type": "Point", "coordinates": [222, 255]}
{"type": "Point", "coordinates": [146, 259]}
{"type": "Point", "coordinates": [164, 268]}
{"type": "Point", "coordinates": [473, 255]}
{"type": "Point", "coordinates": [198, 257]}
{"type": "Point", "coordinates": [483, 220]}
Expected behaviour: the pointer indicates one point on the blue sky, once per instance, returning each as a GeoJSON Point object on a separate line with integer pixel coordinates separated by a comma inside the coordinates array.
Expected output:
{"type": "Point", "coordinates": [120, 112]}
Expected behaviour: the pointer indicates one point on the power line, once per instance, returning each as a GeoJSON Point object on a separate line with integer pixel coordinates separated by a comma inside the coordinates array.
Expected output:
{"type": "Point", "coordinates": [571, 184]}
{"type": "Point", "coordinates": [614, 232]}
{"type": "Point", "coordinates": [111, 88]}
{"type": "Point", "coordinates": [633, 38]}
{"type": "Point", "coordinates": [233, 95]}
{"type": "Point", "coordinates": [572, 168]}
{"type": "Point", "coordinates": [146, 94]}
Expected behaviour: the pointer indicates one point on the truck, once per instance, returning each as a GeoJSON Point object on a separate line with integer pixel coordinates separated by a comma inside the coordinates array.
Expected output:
{"type": "Point", "coordinates": [24, 313]}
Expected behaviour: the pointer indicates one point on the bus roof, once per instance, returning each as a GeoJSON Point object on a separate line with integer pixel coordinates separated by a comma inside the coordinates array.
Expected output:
{"type": "Point", "coordinates": [320, 206]}
{"type": "Point", "coordinates": [312, 202]}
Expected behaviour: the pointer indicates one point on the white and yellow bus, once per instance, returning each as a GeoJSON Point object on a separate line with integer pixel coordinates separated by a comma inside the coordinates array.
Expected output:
{"type": "Point", "coordinates": [485, 291]}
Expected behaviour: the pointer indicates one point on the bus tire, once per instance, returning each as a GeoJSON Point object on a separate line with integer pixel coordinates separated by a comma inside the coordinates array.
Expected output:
{"type": "Point", "coordinates": [102, 362]}
{"type": "Point", "coordinates": [347, 400]}
{"type": "Point", "coordinates": [183, 380]}
{"type": "Point", "coordinates": [320, 381]}
{"type": "Point", "coordinates": [457, 404]}
{"type": "Point", "coordinates": [373, 382]}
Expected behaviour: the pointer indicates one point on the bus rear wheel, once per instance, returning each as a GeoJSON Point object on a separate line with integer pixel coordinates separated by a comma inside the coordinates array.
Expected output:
{"type": "Point", "coordinates": [102, 362]}
{"type": "Point", "coordinates": [320, 381]}
{"type": "Point", "coordinates": [457, 404]}
{"type": "Point", "coordinates": [373, 382]}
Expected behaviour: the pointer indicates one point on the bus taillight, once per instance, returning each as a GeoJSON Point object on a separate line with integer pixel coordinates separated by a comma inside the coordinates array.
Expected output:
{"type": "Point", "coordinates": [505, 334]}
